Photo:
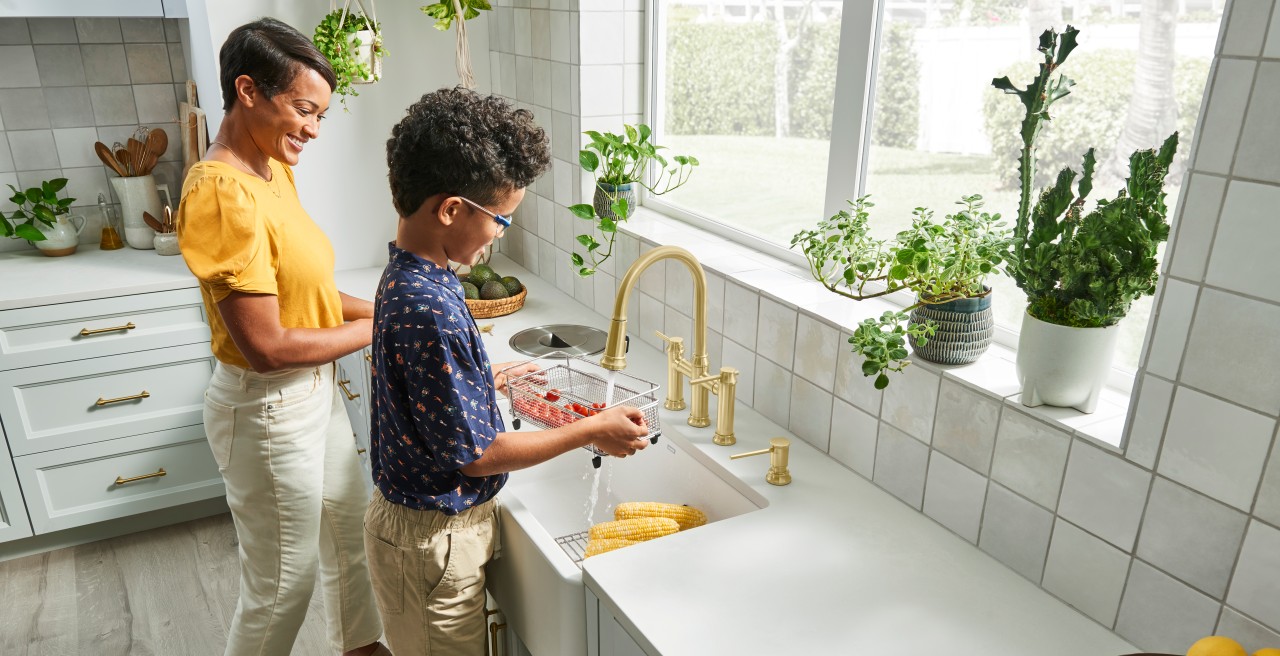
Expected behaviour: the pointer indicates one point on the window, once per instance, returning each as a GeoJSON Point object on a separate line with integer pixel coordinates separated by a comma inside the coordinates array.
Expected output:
{"type": "Point", "coordinates": [936, 130]}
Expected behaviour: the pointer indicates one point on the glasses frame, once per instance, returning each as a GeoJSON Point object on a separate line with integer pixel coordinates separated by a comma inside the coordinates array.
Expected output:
{"type": "Point", "coordinates": [504, 221]}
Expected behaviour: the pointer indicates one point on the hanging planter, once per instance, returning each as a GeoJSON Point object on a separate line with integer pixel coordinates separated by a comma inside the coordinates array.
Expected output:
{"type": "Point", "coordinates": [445, 12]}
{"type": "Point", "coordinates": [352, 42]}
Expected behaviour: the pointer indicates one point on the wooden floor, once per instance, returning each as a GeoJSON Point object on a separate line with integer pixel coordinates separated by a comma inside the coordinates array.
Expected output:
{"type": "Point", "coordinates": [165, 592]}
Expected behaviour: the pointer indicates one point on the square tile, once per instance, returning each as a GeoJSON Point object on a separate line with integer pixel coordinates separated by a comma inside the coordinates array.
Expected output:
{"type": "Point", "coordinates": [157, 103]}
{"type": "Point", "coordinates": [142, 30]}
{"type": "Point", "coordinates": [1191, 536]}
{"type": "Point", "coordinates": [1161, 614]}
{"type": "Point", "coordinates": [1085, 572]}
{"type": "Point", "coordinates": [84, 185]}
{"type": "Point", "coordinates": [1169, 337]}
{"type": "Point", "coordinates": [19, 68]}
{"type": "Point", "coordinates": [52, 30]}
{"type": "Point", "coordinates": [810, 413]}
{"type": "Point", "coordinates": [59, 65]}
{"type": "Point", "coordinates": [530, 249]}
{"type": "Point", "coordinates": [654, 279]}
{"type": "Point", "coordinates": [24, 109]}
{"type": "Point", "coordinates": [1030, 457]}
{"type": "Point", "coordinates": [678, 286]}
{"type": "Point", "coordinates": [853, 438]}
{"type": "Point", "coordinates": [1267, 506]}
{"type": "Point", "coordinates": [1246, 27]}
{"type": "Point", "coordinates": [1250, 381]}
{"type": "Point", "coordinates": [993, 375]}
{"type": "Point", "coordinates": [178, 65]}
{"type": "Point", "coordinates": [954, 496]}
{"type": "Point", "coordinates": [33, 150]}
{"type": "Point", "coordinates": [680, 325]}
{"type": "Point", "coordinates": [1257, 575]}
{"type": "Point", "coordinates": [741, 312]}
{"type": "Point", "coordinates": [1239, 261]}
{"type": "Point", "coordinates": [584, 290]}
{"type": "Point", "coordinates": [1261, 136]}
{"type": "Point", "coordinates": [715, 301]}
{"type": "Point", "coordinates": [105, 64]}
{"type": "Point", "coordinates": [560, 37]}
{"type": "Point", "coordinates": [14, 32]}
{"type": "Point", "coordinates": [1016, 532]}
{"type": "Point", "coordinates": [851, 385]}
{"type": "Point", "coordinates": [1215, 447]}
{"type": "Point", "coordinates": [75, 147]}
{"type": "Point", "coordinates": [1104, 494]}
{"type": "Point", "coordinates": [1196, 224]}
{"type": "Point", "coordinates": [148, 63]}
{"type": "Point", "coordinates": [772, 393]}
{"type": "Point", "coordinates": [172, 30]}
{"type": "Point", "coordinates": [114, 105]}
{"type": "Point", "coordinates": [602, 89]}
{"type": "Point", "coordinates": [1250, 634]}
{"type": "Point", "coordinates": [1220, 128]}
{"type": "Point", "coordinates": [1147, 431]}
{"type": "Point", "coordinates": [633, 89]}
{"type": "Point", "coordinates": [1272, 50]}
{"type": "Point", "coordinates": [524, 79]}
{"type": "Point", "coordinates": [540, 33]}
{"type": "Point", "coordinates": [633, 32]}
{"type": "Point", "coordinates": [549, 265]}
{"type": "Point", "coordinates": [98, 30]}
{"type": "Point", "coordinates": [69, 107]}
{"type": "Point", "coordinates": [564, 276]}
{"type": "Point", "coordinates": [910, 401]}
{"type": "Point", "coordinates": [965, 428]}
{"type": "Point", "coordinates": [507, 75]}
{"type": "Point", "coordinates": [743, 359]}
{"type": "Point", "coordinates": [6, 166]}
{"type": "Point", "coordinates": [901, 465]}
{"type": "Point", "coordinates": [601, 37]}
{"type": "Point", "coordinates": [567, 229]}
{"type": "Point", "coordinates": [776, 333]}
{"type": "Point", "coordinates": [816, 354]}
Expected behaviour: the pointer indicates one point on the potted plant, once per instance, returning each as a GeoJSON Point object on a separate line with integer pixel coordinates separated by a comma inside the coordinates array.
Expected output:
{"type": "Point", "coordinates": [43, 219]}
{"type": "Point", "coordinates": [943, 263]}
{"type": "Point", "coordinates": [618, 163]}
{"type": "Point", "coordinates": [1080, 270]}
{"type": "Point", "coordinates": [445, 12]}
{"type": "Point", "coordinates": [352, 42]}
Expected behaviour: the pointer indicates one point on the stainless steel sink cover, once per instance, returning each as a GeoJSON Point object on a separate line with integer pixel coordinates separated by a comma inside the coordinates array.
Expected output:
{"type": "Point", "coordinates": [566, 337]}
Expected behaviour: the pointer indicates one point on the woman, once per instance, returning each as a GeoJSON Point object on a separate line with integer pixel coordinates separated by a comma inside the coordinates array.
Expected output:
{"type": "Point", "coordinates": [277, 428]}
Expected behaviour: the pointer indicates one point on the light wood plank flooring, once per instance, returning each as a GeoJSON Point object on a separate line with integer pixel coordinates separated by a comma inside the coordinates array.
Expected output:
{"type": "Point", "coordinates": [166, 592]}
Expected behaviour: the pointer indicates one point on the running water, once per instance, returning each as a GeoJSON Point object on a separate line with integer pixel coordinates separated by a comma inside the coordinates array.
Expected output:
{"type": "Point", "coordinates": [608, 388]}
{"type": "Point", "coordinates": [594, 496]}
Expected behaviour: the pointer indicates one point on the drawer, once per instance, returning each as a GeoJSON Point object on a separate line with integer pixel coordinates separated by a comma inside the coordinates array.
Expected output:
{"type": "Point", "coordinates": [117, 478]}
{"type": "Point", "coordinates": [107, 326]}
{"type": "Point", "coordinates": [71, 403]}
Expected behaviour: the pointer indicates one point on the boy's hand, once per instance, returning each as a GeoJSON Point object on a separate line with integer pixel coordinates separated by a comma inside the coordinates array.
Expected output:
{"type": "Point", "coordinates": [500, 377]}
{"type": "Point", "coordinates": [619, 431]}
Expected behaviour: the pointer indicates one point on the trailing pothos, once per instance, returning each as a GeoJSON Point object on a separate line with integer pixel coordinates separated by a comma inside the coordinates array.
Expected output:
{"type": "Point", "coordinates": [446, 12]}
{"type": "Point", "coordinates": [336, 39]}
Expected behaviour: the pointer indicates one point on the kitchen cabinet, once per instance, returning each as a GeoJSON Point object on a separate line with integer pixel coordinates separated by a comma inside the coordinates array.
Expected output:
{"type": "Point", "coordinates": [353, 378]}
{"type": "Point", "coordinates": [605, 636]}
{"type": "Point", "coordinates": [14, 524]}
{"type": "Point", "coordinates": [91, 8]}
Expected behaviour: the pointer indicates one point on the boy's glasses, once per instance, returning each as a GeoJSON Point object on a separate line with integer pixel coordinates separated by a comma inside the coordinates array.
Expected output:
{"type": "Point", "coordinates": [503, 221]}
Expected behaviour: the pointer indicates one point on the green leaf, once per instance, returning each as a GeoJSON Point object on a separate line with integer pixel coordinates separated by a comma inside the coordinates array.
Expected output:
{"type": "Point", "coordinates": [899, 272]}
{"type": "Point", "coordinates": [620, 208]}
{"type": "Point", "coordinates": [35, 195]}
{"type": "Point", "coordinates": [869, 367]}
{"type": "Point", "coordinates": [45, 214]}
{"type": "Point", "coordinates": [607, 225]}
{"type": "Point", "coordinates": [588, 160]}
{"type": "Point", "coordinates": [645, 132]}
{"type": "Point", "coordinates": [586, 240]}
{"type": "Point", "coordinates": [29, 232]}
{"type": "Point", "coordinates": [576, 259]}
{"type": "Point", "coordinates": [632, 135]}
{"type": "Point", "coordinates": [882, 381]}
{"type": "Point", "coordinates": [693, 161]}
{"type": "Point", "coordinates": [583, 211]}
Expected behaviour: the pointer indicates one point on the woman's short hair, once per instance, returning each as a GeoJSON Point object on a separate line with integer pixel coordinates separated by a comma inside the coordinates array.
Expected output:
{"type": "Point", "coordinates": [456, 141]}
{"type": "Point", "coordinates": [272, 54]}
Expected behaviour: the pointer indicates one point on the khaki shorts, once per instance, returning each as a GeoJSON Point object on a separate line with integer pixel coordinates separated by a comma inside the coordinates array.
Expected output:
{"type": "Point", "coordinates": [428, 575]}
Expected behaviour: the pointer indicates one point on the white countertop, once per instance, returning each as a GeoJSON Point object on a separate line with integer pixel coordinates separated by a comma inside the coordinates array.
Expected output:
{"type": "Point", "coordinates": [833, 565]}
{"type": "Point", "coordinates": [35, 279]}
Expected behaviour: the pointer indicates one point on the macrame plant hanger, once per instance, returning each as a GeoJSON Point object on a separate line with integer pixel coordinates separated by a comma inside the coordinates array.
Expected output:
{"type": "Point", "coordinates": [375, 62]}
{"type": "Point", "coordinates": [462, 52]}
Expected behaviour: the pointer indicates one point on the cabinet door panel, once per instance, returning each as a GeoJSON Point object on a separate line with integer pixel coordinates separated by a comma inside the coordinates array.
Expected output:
{"type": "Point", "coordinates": [13, 513]}
{"type": "Point", "coordinates": [72, 487]}
{"type": "Point", "coordinates": [71, 403]}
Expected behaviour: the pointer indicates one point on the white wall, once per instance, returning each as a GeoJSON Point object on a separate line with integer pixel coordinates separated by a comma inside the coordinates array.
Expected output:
{"type": "Point", "coordinates": [342, 177]}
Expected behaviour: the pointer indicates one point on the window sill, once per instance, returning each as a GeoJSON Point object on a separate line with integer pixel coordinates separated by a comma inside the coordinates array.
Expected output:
{"type": "Point", "coordinates": [994, 374]}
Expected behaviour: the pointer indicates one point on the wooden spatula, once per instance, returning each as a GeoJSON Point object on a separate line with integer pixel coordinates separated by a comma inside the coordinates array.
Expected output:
{"type": "Point", "coordinates": [108, 158]}
{"type": "Point", "coordinates": [152, 222]}
{"type": "Point", "coordinates": [157, 143]}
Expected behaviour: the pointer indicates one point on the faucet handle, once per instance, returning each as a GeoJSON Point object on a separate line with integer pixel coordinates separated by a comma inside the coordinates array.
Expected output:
{"type": "Point", "coordinates": [779, 450]}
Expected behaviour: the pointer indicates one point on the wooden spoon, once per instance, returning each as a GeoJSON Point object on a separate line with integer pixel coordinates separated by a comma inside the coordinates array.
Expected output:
{"type": "Point", "coordinates": [137, 152]}
{"type": "Point", "coordinates": [157, 143]}
{"type": "Point", "coordinates": [104, 154]}
{"type": "Point", "coordinates": [152, 222]}
{"type": "Point", "coordinates": [126, 161]}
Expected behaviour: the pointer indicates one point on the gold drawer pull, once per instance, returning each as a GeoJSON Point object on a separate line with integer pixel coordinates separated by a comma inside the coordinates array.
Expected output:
{"type": "Point", "coordinates": [122, 481]}
{"type": "Point", "coordinates": [347, 390]}
{"type": "Point", "coordinates": [85, 332]}
{"type": "Point", "coordinates": [360, 451]}
{"type": "Point", "coordinates": [368, 358]}
{"type": "Point", "coordinates": [144, 394]}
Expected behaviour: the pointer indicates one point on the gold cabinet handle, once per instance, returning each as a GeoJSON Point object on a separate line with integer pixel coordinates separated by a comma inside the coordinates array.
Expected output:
{"type": "Point", "coordinates": [347, 390]}
{"type": "Point", "coordinates": [494, 628]}
{"type": "Point", "coordinates": [368, 358]}
{"type": "Point", "coordinates": [85, 332]}
{"type": "Point", "coordinates": [360, 451]}
{"type": "Point", "coordinates": [158, 474]}
{"type": "Point", "coordinates": [144, 394]}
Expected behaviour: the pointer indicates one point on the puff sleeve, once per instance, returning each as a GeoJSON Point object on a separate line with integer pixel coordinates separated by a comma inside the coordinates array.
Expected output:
{"type": "Point", "coordinates": [224, 238]}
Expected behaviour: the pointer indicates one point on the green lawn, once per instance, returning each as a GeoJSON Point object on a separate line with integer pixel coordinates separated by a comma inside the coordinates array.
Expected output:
{"type": "Point", "coordinates": [775, 187]}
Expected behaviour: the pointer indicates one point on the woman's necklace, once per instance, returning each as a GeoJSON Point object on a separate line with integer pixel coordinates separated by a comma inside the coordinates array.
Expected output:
{"type": "Point", "coordinates": [274, 189]}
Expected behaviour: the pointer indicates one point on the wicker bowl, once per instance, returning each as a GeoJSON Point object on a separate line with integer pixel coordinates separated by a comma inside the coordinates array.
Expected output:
{"type": "Point", "coordinates": [481, 309]}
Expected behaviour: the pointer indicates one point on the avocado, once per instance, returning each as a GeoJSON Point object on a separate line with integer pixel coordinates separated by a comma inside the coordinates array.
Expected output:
{"type": "Point", "coordinates": [481, 274]}
{"type": "Point", "coordinates": [512, 284]}
{"type": "Point", "coordinates": [470, 291]}
{"type": "Point", "coordinates": [493, 290]}
{"type": "Point", "coordinates": [464, 278]}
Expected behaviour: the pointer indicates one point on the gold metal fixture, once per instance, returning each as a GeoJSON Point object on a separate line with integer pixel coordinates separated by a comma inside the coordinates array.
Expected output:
{"type": "Point", "coordinates": [701, 384]}
{"type": "Point", "coordinates": [158, 474]}
{"type": "Point", "coordinates": [347, 390]}
{"type": "Point", "coordinates": [144, 394]}
{"type": "Point", "coordinates": [85, 332]}
{"type": "Point", "coordinates": [486, 328]}
{"type": "Point", "coordinates": [368, 358]}
{"type": "Point", "coordinates": [779, 448]}
{"type": "Point", "coordinates": [494, 628]}
{"type": "Point", "coordinates": [360, 451]}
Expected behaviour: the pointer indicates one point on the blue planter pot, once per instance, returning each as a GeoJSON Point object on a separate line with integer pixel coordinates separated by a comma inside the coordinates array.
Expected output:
{"type": "Point", "coordinates": [965, 329]}
{"type": "Point", "coordinates": [607, 193]}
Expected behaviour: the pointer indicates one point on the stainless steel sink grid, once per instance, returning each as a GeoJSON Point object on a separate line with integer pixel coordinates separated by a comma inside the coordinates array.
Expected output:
{"type": "Point", "coordinates": [574, 544]}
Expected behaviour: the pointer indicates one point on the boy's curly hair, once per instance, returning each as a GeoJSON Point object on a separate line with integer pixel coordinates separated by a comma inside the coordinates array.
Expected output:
{"type": "Point", "coordinates": [456, 141]}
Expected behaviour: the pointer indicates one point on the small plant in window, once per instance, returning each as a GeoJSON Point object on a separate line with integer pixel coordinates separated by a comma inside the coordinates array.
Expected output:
{"type": "Point", "coordinates": [618, 162]}
{"type": "Point", "coordinates": [352, 42]}
{"type": "Point", "coordinates": [940, 262]}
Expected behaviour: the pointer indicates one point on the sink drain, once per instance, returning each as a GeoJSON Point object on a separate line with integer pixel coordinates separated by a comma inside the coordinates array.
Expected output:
{"type": "Point", "coordinates": [565, 337]}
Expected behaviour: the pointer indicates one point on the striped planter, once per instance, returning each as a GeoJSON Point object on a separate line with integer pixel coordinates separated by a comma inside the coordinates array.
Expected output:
{"type": "Point", "coordinates": [607, 193]}
{"type": "Point", "coordinates": [965, 328]}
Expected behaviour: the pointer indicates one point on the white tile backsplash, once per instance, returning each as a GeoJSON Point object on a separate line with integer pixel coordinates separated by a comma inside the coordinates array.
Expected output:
{"type": "Point", "coordinates": [19, 68]}
{"type": "Point", "coordinates": [1220, 127]}
{"type": "Point", "coordinates": [1268, 505]}
{"type": "Point", "coordinates": [653, 317]}
{"type": "Point", "coordinates": [602, 89]}
{"type": "Point", "coordinates": [772, 391]}
{"type": "Point", "coordinates": [1169, 340]}
{"type": "Point", "coordinates": [75, 147]}
{"type": "Point", "coordinates": [965, 428]}
{"type": "Point", "coordinates": [910, 401]}
{"type": "Point", "coordinates": [1085, 572]}
{"type": "Point", "coordinates": [1162, 614]}
{"type": "Point", "coordinates": [1191, 536]}
{"type": "Point", "coordinates": [1250, 634]}
{"type": "Point", "coordinates": [602, 37]}
{"type": "Point", "coordinates": [1030, 457]}
{"type": "Point", "coordinates": [1015, 531]}
{"type": "Point", "coordinates": [1241, 260]}
{"type": "Point", "coordinates": [901, 465]}
{"type": "Point", "coordinates": [1257, 575]}
{"type": "Point", "coordinates": [1213, 361]}
{"type": "Point", "coordinates": [810, 413]}
{"type": "Point", "coordinates": [954, 496]}
{"type": "Point", "coordinates": [1196, 225]}
{"type": "Point", "coordinates": [851, 385]}
{"type": "Point", "coordinates": [1147, 431]}
{"type": "Point", "coordinates": [1104, 494]}
{"type": "Point", "coordinates": [521, 32]}
{"type": "Point", "coordinates": [1260, 139]}
{"type": "Point", "coordinates": [1246, 27]}
{"type": "Point", "coordinates": [741, 312]}
{"type": "Point", "coordinates": [853, 437]}
{"type": "Point", "coordinates": [1215, 447]}
{"type": "Point", "coordinates": [776, 332]}
{"type": "Point", "coordinates": [816, 351]}
{"type": "Point", "coordinates": [743, 359]}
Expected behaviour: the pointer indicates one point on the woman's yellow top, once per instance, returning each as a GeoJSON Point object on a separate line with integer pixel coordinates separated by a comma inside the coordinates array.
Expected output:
{"type": "Point", "coordinates": [241, 233]}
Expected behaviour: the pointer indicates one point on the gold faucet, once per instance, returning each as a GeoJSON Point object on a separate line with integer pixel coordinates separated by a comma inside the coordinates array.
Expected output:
{"type": "Point", "coordinates": [701, 384]}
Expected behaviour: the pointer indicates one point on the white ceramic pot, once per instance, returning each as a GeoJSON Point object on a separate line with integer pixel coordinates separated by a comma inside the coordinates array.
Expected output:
{"type": "Point", "coordinates": [365, 54]}
{"type": "Point", "coordinates": [62, 237]}
{"type": "Point", "coordinates": [166, 243]}
{"type": "Point", "coordinates": [137, 195]}
{"type": "Point", "coordinates": [1063, 366]}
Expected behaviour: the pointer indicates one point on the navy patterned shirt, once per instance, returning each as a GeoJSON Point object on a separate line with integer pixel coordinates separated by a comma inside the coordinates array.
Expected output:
{"type": "Point", "coordinates": [435, 409]}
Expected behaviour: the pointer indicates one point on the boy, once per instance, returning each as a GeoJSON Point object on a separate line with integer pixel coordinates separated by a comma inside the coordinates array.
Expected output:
{"type": "Point", "coordinates": [458, 167]}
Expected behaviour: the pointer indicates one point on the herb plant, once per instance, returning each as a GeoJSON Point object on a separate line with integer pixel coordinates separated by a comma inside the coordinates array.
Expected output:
{"type": "Point", "coordinates": [937, 261]}
{"type": "Point", "coordinates": [615, 160]}
{"type": "Point", "coordinates": [35, 204]}
{"type": "Point", "coordinates": [445, 12]}
{"type": "Point", "coordinates": [1083, 269]}
{"type": "Point", "coordinates": [340, 46]}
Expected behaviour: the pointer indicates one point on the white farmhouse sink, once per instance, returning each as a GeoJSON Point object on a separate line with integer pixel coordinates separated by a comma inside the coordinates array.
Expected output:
{"type": "Point", "coordinates": [536, 582]}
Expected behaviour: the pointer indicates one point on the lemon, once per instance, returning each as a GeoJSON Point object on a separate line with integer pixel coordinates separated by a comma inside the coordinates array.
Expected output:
{"type": "Point", "coordinates": [1216, 646]}
{"type": "Point", "coordinates": [1270, 651]}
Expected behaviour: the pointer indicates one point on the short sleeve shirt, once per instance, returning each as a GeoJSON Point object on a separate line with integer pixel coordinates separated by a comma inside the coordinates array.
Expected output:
{"type": "Point", "coordinates": [435, 409]}
{"type": "Point", "coordinates": [241, 233]}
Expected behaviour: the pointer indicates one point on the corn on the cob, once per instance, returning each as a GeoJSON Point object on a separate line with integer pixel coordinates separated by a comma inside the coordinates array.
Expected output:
{"type": "Point", "coordinates": [604, 545]}
{"type": "Point", "coordinates": [686, 516]}
{"type": "Point", "coordinates": [638, 529]}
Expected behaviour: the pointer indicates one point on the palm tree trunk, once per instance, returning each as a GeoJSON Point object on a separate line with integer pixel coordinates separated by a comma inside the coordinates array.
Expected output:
{"type": "Point", "coordinates": [1153, 110]}
{"type": "Point", "coordinates": [782, 66]}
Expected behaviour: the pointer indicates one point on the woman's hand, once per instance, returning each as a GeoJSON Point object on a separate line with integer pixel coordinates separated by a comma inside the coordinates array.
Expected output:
{"type": "Point", "coordinates": [618, 431]}
{"type": "Point", "coordinates": [504, 371]}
